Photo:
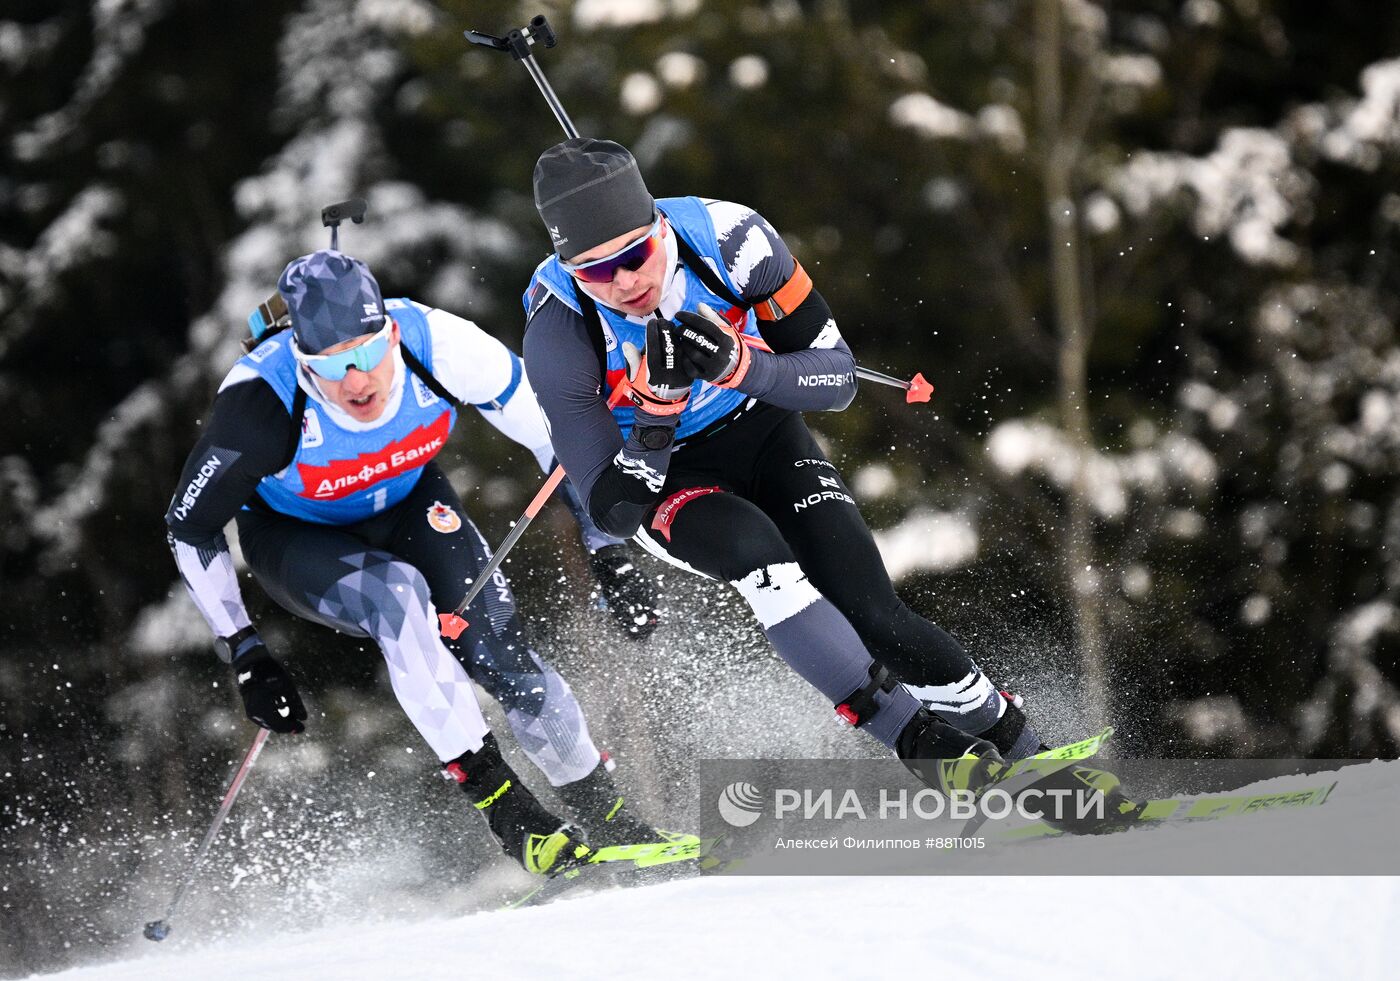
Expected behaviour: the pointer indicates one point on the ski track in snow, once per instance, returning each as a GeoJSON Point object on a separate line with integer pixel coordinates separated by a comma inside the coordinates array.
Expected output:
{"type": "Point", "coordinates": [850, 927]}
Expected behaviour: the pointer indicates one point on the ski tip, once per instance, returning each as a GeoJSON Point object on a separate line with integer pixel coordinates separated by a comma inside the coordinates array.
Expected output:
{"type": "Point", "coordinates": [450, 625]}
{"type": "Point", "coordinates": [919, 390]}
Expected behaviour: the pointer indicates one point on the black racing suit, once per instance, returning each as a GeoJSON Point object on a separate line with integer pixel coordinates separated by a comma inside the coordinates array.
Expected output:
{"type": "Point", "coordinates": [752, 500]}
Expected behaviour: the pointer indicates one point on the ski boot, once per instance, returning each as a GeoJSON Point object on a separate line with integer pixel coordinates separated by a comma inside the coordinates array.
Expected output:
{"type": "Point", "coordinates": [539, 841]}
{"type": "Point", "coordinates": [928, 746]}
{"type": "Point", "coordinates": [979, 774]}
{"type": "Point", "coordinates": [1085, 782]}
{"type": "Point", "coordinates": [1012, 734]}
{"type": "Point", "coordinates": [596, 801]}
{"type": "Point", "coordinates": [1118, 810]}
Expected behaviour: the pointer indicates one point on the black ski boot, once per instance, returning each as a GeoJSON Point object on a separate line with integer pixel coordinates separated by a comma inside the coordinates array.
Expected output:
{"type": "Point", "coordinates": [960, 762]}
{"type": "Point", "coordinates": [928, 746]}
{"type": "Point", "coordinates": [1013, 735]}
{"type": "Point", "coordinates": [1116, 812]}
{"type": "Point", "coordinates": [596, 802]}
{"type": "Point", "coordinates": [528, 833]}
{"type": "Point", "coordinates": [927, 737]}
{"type": "Point", "coordinates": [1016, 739]}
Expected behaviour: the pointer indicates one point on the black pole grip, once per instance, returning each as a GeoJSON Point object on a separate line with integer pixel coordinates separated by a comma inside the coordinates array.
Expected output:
{"type": "Point", "coordinates": [518, 44]}
{"type": "Point", "coordinates": [485, 40]}
{"type": "Point", "coordinates": [542, 32]}
{"type": "Point", "coordinates": [518, 40]}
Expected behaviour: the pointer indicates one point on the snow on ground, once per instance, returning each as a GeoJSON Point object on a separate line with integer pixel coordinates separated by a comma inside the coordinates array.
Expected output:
{"type": "Point", "coordinates": [848, 927]}
{"type": "Point", "coordinates": [943, 926]}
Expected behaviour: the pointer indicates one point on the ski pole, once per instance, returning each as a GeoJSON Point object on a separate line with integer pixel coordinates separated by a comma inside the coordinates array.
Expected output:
{"type": "Point", "coordinates": [916, 389]}
{"type": "Point", "coordinates": [518, 42]}
{"type": "Point", "coordinates": [160, 929]}
{"type": "Point", "coordinates": [451, 625]}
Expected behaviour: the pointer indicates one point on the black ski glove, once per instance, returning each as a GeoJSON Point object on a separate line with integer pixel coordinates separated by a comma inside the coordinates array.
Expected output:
{"type": "Point", "coordinates": [631, 595]}
{"type": "Point", "coordinates": [711, 348]}
{"type": "Point", "coordinates": [660, 382]}
{"type": "Point", "coordinates": [269, 695]}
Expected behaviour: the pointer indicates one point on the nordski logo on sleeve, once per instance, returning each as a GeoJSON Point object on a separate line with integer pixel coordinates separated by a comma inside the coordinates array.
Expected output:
{"type": "Point", "coordinates": [826, 380]}
{"type": "Point", "coordinates": [341, 478]}
{"type": "Point", "coordinates": [197, 484]}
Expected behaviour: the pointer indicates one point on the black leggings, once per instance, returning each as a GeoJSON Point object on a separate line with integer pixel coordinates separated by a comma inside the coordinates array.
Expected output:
{"type": "Point", "coordinates": [760, 493]}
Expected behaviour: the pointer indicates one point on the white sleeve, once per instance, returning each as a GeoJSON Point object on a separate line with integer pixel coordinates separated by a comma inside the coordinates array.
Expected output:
{"type": "Point", "coordinates": [213, 584]}
{"type": "Point", "coordinates": [485, 374]}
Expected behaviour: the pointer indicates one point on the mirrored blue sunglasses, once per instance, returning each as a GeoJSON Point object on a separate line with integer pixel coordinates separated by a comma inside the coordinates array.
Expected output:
{"type": "Point", "coordinates": [365, 356]}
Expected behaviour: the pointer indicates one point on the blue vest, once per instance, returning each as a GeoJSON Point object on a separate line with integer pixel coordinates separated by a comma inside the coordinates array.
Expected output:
{"type": "Point", "coordinates": [339, 476]}
{"type": "Point", "coordinates": [707, 402]}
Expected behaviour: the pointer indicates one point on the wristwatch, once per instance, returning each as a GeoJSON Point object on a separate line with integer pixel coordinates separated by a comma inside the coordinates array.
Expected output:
{"type": "Point", "coordinates": [655, 437]}
{"type": "Point", "coordinates": [229, 648]}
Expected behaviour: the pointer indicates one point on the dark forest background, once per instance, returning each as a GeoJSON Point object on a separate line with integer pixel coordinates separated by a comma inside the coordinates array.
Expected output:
{"type": "Point", "coordinates": [1144, 250]}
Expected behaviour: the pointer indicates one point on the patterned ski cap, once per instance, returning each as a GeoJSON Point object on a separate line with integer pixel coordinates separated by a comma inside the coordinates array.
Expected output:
{"type": "Point", "coordinates": [332, 297]}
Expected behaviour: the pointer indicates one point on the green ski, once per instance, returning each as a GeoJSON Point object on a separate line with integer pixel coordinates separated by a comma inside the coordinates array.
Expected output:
{"type": "Point", "coordinates": [675, 847]}
{"type": "Point", "coordinates": [1156, 812]}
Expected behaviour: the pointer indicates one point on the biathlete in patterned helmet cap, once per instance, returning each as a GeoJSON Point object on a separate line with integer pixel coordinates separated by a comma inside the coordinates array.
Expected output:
{"type": "Point", "coordinates": [321, 445]}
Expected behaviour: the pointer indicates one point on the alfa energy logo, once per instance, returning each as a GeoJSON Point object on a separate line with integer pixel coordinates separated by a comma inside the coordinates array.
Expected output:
{"type": "Point", "coordinates": [740, 804]}
{"type": "Point", "coordinates": [341, 478]}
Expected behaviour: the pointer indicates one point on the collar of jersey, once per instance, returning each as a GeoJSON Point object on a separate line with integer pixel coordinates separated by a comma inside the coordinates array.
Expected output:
{"type": "Point", "coordinates": [342, 418]}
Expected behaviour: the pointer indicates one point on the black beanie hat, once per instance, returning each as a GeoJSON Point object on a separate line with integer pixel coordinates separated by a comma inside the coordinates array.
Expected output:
{"type": "Point", "coordinates": [590, 191]}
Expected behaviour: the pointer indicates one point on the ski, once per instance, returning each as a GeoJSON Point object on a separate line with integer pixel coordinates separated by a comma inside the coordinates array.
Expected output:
{"type": "Point", "coordinates": [624, 859]}
{"type": "Point", "coordinates": [676, 847]}
{"type": "Point", "coordinates": [1081, 750]}
{"type": "Point", "coordinates": [1159, 811]}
